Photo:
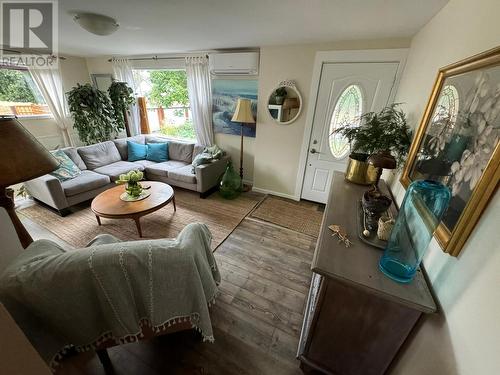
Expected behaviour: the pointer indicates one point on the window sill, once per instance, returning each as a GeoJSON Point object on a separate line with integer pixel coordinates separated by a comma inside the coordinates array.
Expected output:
{"type": "Point", "coordinates": [172, 137]}
{"type": "Point", "coordinates": [35, 117]}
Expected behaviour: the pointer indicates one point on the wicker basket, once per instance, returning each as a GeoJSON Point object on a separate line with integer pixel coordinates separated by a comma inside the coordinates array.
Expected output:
{"type": "Point", "coordinates": [385, 225]}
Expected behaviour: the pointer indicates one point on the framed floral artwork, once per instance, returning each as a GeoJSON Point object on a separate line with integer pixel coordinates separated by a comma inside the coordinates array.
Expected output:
{"type": "Point", "coordinates": [457, 143]}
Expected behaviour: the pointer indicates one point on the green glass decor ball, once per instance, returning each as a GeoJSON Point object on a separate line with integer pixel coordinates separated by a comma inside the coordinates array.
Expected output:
{"type": "Point", "coordinates": [230, 185]}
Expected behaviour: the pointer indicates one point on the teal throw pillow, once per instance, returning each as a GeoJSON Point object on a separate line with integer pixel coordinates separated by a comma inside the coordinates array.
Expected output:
{"type": "Point", "coordinates": [136, 151]}
{"type": "Point", "coordinates": [157, 152]}
{"type": "Point", "coordinates": [67, 168]}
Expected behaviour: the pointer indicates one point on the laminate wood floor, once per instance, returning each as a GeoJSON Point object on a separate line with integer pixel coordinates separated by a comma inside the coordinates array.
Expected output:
{"type": "Point", "coordinates": [257, 317]}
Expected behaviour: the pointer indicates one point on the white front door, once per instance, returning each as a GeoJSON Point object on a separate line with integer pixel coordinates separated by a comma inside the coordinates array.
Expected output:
{"type": "Point", "coordinates": [346, 91]}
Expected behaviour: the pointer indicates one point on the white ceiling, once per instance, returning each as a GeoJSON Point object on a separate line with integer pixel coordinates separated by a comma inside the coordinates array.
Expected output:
{"type": "Point", "coordinates": [169, 26]}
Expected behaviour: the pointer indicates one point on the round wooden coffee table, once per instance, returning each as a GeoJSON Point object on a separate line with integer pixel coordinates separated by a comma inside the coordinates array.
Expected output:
{"type": "Point", "coordinates": [109, 205]}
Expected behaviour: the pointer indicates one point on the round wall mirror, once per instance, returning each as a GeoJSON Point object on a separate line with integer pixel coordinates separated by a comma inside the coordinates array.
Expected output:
{"type": "Point", "coordinates": [285, 103]}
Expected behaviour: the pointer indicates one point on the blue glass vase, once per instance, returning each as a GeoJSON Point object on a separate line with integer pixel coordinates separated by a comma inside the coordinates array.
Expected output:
{"type": "Point", "coordinates": [423, 207]}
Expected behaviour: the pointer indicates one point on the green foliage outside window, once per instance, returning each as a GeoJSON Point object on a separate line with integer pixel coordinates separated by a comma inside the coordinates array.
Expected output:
{"type": "Point", "coordinates": [15, 88]}
{"type": "Point", "coordinates": [169, 88]}
{"type": "Point", "coordinates": [185, 131]}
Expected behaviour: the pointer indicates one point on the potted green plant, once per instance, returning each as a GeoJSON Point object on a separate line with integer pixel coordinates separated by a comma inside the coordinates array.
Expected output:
{"type": "Point", "coordinates": [93, 114]}
{"type": "Point", "coordinates": [385, 131]}
{"type": "Point", "coordinates": [121, 96]}
{"type": "Point", "coordinates": [131, 180]}
{"type": "Point", "coordinates": [280, 95]}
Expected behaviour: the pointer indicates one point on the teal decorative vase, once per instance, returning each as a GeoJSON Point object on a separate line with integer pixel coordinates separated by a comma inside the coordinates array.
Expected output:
{"type": "Point", "coordinates": [230, 185]}
{"type": "Point", "coordinates": [455, 148]}
{"type": "Point", "coordinates": [423, 207]}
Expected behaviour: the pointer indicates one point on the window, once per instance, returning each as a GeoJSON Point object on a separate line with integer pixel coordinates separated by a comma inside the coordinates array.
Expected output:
{"type": "Point", "coordinates": [347, 112]}
{"type": "Point", "coordinates": [447, 106]}
{"type": "Point", "coordinates": [19, 94]}
{"type": "Point", "coordinates": [167, 100]}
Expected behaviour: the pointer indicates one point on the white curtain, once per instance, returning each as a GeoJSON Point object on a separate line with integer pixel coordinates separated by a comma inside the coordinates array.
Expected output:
{"type": "Point", "coordinates": [200, 98]}
{"type": "Point", "coordinates": [123, 73]}
{"type": "Point", "coordinates": [49, 82]}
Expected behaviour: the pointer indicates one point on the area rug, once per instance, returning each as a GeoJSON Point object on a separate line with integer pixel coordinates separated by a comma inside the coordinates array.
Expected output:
{"type": "Point", "coordinates": [220, 215]}
{"type": "Point", "coordinates": [304, 217]}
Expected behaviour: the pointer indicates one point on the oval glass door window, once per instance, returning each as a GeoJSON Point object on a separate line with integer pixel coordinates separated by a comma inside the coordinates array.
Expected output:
{"type": "Point", "coordinates": [447, 106]}
{"type": "Point", "coordinates": [347, 111]}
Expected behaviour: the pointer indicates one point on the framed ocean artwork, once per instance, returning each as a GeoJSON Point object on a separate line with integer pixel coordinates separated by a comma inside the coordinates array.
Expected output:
{"type": "Point", "coordinates": [225, 94]}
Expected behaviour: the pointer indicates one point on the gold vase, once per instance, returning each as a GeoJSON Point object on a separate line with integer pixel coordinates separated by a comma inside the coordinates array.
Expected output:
{"type": "Point", "coordinates": [360, 172]}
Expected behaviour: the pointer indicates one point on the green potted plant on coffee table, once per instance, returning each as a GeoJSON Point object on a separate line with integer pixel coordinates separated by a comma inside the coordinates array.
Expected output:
{"type": "Point", "coordinates": [131, 181]}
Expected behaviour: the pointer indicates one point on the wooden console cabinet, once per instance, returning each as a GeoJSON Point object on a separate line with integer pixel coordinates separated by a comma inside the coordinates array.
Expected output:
{"type": "Point", "coordinates": [356, 318]}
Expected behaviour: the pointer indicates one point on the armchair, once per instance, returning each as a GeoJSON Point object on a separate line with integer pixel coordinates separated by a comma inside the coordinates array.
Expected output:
{"type": "Point", "coordinates": [116, 292]}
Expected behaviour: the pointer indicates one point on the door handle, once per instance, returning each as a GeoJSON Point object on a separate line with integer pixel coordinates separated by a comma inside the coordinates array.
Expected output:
{"type": "Point", "coordinates": [313, 151]}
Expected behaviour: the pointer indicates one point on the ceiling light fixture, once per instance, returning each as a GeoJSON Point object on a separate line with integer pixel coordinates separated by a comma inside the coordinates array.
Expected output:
{"type": "Point", "coordinates": [97, 24]}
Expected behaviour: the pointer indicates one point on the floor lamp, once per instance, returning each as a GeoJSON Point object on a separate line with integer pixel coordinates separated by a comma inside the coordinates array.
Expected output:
{"type": "Point", "coordinates": [22, 158]}
{"type": "Point", "coordinates": [243, 115]}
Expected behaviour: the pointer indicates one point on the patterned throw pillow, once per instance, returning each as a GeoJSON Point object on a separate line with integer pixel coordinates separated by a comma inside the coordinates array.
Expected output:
{"type": "Point", "coordinates": [67, 168]}
{"type": "Point", "coordinates": [203, 158]}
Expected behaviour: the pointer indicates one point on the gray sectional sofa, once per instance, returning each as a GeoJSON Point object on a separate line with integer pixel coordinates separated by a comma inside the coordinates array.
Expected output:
{"type": "Point", "coordinates": [102, 163]}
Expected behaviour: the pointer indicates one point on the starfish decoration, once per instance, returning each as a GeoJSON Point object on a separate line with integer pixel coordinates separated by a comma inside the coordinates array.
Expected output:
{"type": "Point", "coordinates": [341, 234]}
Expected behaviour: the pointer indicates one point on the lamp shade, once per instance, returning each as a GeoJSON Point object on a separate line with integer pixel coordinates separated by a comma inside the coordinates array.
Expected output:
{"type": "Point", "coordinates": [22, 157]}
{"type": "Point", "coordinates": [243, 112]}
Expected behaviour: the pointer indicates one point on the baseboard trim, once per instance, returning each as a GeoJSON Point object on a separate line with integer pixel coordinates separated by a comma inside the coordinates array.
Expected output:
{"type": "Point", "coordinates": [278, 194]}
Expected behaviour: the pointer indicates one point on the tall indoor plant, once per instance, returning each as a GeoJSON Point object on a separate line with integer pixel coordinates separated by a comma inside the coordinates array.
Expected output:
{"type": "Point", "coordinates": [385, 131]}
{"type": "Point", "coordinates": [93, 114]}
{"type": "Point", "coordinates": [121, 96]}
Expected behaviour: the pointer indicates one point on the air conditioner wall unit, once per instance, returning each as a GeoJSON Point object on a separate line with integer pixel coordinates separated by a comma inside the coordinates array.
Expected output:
{"type": "Point", "coordinates": [231, 64]}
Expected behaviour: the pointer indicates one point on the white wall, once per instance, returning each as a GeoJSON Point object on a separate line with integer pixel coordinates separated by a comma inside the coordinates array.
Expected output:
{"type": "Point", "coordinates": [101, 65]}
{"type": "Point", "coordinates": [465, 337]}
{"type": "Point", "coordinates": [98, 65]}
{"type": "Point", "coordinates": [277, 147]}
{"type": "Point", "coordinates": [271, 159]}
{"type": "Point", "coordinates": [73, 71]}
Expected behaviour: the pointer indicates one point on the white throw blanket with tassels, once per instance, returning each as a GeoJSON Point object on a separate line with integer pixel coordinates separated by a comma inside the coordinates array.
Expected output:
{"type": "Point", "coordinates": [105, 291]}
